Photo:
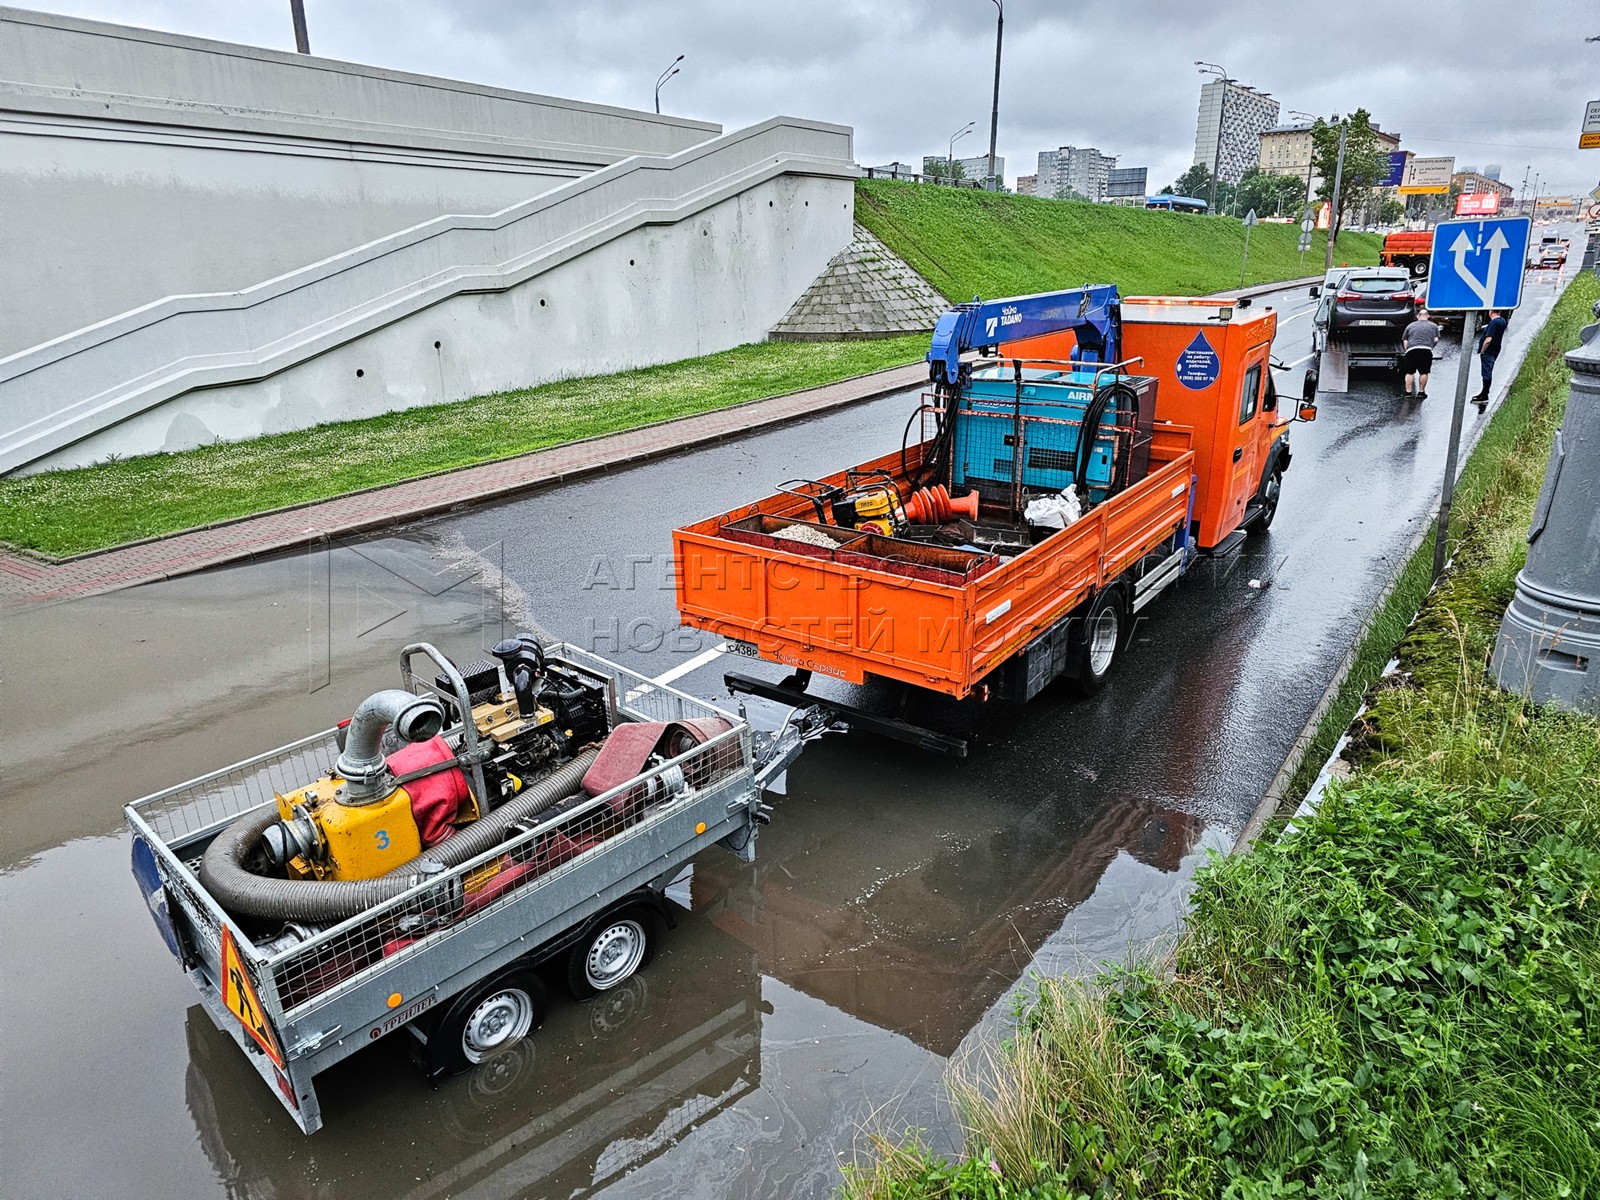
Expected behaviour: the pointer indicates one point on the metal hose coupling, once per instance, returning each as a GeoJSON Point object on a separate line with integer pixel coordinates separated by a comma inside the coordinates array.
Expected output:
{"type": "Point", "coordinates": [363, 764]}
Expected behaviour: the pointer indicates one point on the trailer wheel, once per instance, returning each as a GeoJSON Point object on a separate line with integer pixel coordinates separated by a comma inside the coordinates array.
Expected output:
{"type": "Point", "coordinates": [610, 951]}
{"type": "Point", "coordinates": [1095, 648]}
{"type": "Point", "coordinates": [485, 1020]}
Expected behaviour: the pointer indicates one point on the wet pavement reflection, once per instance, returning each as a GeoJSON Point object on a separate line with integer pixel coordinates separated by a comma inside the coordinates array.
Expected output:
{"type": "Point", "coordinates": [896, 904]}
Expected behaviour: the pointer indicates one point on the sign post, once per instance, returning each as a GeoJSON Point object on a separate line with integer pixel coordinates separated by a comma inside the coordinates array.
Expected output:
{"type": "Point", "coordinates": [1250, 220]}
{"type": "Point", "coordinates": [1475, 266]}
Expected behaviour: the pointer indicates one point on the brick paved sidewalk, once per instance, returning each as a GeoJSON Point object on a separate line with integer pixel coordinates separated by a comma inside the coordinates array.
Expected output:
{"type": "Point", "coordinates": [27, 580]}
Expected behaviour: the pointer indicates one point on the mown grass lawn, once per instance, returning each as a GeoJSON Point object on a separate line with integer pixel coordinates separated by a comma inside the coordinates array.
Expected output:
{"type": "Point", "coordinates": [968, 242]}
{"type": "Point", "coordinates": [69, 512]}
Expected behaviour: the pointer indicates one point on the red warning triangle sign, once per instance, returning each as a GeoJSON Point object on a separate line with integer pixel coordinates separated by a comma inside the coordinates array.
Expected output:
{"type": "Point", "coordinates": [239, 998]}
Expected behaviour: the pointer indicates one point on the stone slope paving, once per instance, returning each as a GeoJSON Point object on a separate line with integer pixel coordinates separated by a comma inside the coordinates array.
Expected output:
{"type": "Point", "coordinates": [26, 580]}
{"type": "Point", "coordinates": [866, 291]}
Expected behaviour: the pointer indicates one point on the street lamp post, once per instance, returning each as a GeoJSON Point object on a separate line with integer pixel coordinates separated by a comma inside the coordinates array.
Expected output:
{"type": "Point", "coordinates": [994, 113]}
{"type": "Point", "coordinates": [1222, 115]}
{"type": "Point", "coordinates": [297, 14]}
{"type": "Point", "coordinates": [671, 70]}
{"type": "Point", "coordinates": [950, 155]}
{"type": "Point", "coordinates": [1334, 197]}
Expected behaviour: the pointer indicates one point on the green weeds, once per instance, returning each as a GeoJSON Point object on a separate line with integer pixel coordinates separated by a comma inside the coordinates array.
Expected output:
{"type": "Point", "coordinates": [1400, 997]}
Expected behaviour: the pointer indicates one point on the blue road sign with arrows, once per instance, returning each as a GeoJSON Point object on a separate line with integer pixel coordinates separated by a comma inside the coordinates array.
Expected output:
{"type": "Point", "coordinates": [1478, 264]}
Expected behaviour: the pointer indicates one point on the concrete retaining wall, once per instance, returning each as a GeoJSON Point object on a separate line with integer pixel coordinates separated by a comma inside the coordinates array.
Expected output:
{"type": "Point", "coordinates": [137, 165]}
{"type": "Point", "coordinates": [646, 261]}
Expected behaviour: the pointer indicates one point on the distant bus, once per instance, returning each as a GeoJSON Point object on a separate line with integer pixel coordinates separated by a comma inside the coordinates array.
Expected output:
{"type": "Point", "coordinates": [1182, 204]}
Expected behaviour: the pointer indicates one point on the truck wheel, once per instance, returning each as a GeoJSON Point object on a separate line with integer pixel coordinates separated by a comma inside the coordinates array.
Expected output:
{"type": "Point", "coordinates": [1096, 647]}
{"type": "Point", "coordinates": [1270, 492]}
{"type": "Point", "coordinates": [610, 951]}
{"type": "Point", "coordinates": [485, 1020]}
{"type": "Point", "coordinates": [1419, 269]}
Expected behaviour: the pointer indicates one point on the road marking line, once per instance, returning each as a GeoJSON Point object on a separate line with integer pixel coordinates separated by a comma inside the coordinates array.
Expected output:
{"type": "Point", "coordinates": [694, 664]}
{"type": "Point", "coordinates": [1297, 362]}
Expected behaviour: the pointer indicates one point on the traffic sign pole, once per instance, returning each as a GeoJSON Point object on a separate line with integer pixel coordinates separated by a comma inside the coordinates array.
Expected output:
{"type": "Point", "coordinates": [1441, 540]}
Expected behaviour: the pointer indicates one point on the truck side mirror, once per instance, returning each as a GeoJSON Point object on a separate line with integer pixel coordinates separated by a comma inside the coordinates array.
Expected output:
{"type": "Point", "coordinates": [1308, 411]}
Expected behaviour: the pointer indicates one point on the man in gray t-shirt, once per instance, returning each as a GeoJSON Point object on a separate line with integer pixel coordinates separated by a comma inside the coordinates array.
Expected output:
{"type": "Point", "coordinates": [1416, 353]}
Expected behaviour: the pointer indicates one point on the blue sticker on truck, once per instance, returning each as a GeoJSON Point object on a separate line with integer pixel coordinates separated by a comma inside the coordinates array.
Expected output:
{"type": "Point", "coordinates": [155, 894]}
{"type": "Point", "coordinates": [1198, 365]}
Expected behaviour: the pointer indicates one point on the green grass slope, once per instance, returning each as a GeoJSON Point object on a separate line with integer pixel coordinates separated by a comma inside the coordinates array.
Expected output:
{"type": "Point", "coordinates": [967, 243]}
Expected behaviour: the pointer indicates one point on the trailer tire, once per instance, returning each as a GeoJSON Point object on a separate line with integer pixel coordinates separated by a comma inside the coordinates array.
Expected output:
{"type": "Point", "coordinates": [485, 1020]}
{"type": "Point", "coordinates": [610, 951]}
{"type": "Point", "coordinates": [1101, 636]}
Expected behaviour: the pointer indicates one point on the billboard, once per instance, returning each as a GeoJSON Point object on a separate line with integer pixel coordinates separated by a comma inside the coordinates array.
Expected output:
{"type": "Point", "coordinates": [1424, 175]}
{"type": "Point", "coordinates": [1477, 204]}
{"type": "Point", "coordinates": [1126, 181]}
{"type": "Point", "coordinates": [1397, 168]}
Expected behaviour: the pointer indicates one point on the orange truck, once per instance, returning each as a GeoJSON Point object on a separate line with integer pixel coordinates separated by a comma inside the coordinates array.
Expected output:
{"type": "Point", "coordinates": [1409, 248]}
{"type": "Point", "coordinates": [1077, 452]}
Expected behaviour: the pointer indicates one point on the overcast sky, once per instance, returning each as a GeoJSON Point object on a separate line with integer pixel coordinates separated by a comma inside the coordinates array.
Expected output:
{"type": "Point", "coordinates": [1485, 80]}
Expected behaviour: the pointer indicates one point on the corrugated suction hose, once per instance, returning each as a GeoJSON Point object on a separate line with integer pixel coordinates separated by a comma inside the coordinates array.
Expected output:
{"type": "Point", "coordinates": [320, 900]}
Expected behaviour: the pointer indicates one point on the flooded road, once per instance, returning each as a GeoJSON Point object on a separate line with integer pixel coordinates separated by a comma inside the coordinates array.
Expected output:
{"type": "Point", "coordinates": [895, 904]}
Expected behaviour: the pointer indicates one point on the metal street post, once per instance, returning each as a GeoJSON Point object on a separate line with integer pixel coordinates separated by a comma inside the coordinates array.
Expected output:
{"type": "Point", "coordinates": [302, 39]}
{"type": "Point", "coordinates": [1222, 115]}
{"type": "Point", "coordinates": [1249, 223]}
{"type": "Point", "coordinates": [666, 75]}
{"type": "Point", "coordinates": [1333, 198]}
{"type": "Point", "coordinates": [1441, 536]}
{"type": "Point", "coordinates": [950, 155]}
{"type": "Point", "coordinates": [994, 113]}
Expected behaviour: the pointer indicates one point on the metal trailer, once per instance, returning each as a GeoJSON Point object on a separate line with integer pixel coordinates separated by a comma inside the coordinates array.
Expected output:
{"type": "Point", "coordinates": [296, 1007]}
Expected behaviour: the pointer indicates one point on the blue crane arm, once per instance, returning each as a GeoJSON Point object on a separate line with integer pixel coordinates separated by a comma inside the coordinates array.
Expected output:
{"type": "Point", "coordinates": [1094, 313]}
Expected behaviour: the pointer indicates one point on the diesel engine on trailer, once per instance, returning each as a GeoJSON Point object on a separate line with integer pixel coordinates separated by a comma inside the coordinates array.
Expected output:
{"type": "Point", "coordinates": [424, 783]}
{"type": "Point", "coordinates": [399, 788]}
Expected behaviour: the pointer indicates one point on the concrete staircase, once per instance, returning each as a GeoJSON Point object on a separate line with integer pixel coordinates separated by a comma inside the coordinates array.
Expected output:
{"type": "Point", "coordinates": [442, 311]}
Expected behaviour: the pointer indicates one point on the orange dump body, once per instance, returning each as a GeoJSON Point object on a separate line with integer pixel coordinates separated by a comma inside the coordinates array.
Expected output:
{"type": "Point", "coordinates": [1210, 357]}
{"type": "Point", "coordinates": [1409, 243]}
{"type": "Point", "coordinates": [936, 617]}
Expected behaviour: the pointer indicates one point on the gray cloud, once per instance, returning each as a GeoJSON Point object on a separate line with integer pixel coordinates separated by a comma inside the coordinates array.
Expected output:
{"type": "Point", "coordinates": [1486, 81]}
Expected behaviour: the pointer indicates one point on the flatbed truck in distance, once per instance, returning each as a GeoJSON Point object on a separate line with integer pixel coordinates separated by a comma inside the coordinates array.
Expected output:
{"type": "Point", "coordinates": [1158, 413]}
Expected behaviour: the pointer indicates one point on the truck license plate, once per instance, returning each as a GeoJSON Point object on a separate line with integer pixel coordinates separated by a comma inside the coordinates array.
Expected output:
{"type": "Point", "coordinates": [747, 649]}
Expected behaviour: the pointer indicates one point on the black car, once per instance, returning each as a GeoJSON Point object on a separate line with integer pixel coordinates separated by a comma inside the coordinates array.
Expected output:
{"type": "Point", "coordinates": [1375, 304]}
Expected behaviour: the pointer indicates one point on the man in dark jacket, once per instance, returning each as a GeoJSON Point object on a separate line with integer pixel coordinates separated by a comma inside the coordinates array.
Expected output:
{"type": "Point", "coordinates": [1489, 339]}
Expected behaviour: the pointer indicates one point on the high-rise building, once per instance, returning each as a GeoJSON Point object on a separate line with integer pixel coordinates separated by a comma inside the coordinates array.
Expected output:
{"type": "Point", "coordinates": [1285, 150]}
{"type": "Point", "coordinates": [1237, 115]}
{"type": "Point", "coordinates": [1027, 185]}
{"type": "Point", "coordinates": [1472, 182]}
{"type": "Point", "coordinates": [977, 167]}
{"type": "Point", "coordinates": [1492, 170]}
{"type": "Point", "coordinates": [1074, 171]}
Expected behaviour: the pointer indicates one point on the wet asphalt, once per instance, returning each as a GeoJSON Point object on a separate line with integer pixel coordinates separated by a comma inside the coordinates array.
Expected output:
{"type": "Point", "coordinates": [895, 905]}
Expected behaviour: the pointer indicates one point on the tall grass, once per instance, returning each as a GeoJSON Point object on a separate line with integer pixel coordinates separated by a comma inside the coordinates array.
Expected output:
{"type": "Point", "coordinates": [1398, 998]}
